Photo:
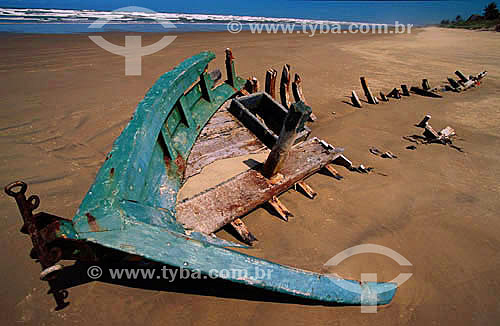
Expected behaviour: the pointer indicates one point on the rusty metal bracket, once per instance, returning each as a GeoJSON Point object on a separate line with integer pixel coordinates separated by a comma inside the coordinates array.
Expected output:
{"type": "Point", "coordinates": [48, 258]}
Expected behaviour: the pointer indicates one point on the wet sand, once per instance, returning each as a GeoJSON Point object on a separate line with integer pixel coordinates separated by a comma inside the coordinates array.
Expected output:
{"type": "Point", "coordinates": [64, 101]}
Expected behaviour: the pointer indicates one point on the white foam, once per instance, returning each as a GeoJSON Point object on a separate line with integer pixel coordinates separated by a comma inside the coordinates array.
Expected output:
{"type": "Point", "coordinates": [44, 15]}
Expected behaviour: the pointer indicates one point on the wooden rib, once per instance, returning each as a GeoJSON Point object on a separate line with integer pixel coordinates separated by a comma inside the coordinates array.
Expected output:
{"type": "Point", "coordinates": [285, 86]}
{"type": "Point", "coordinates": [298, 94]}
{"type": "Point", "coordinates": [271, 82]}
{"type": "Point", "coordinates": [329, 167]}
{"type": "Point", "coordinates": [307, 189]}
{"type": "Point", "coordinates": [231, 74]}
{"type": "Point", "coordinates": [255, 84]}
{"type": "Point", "coordinates": [243, 232]}
{"type": "Point", "coordinates": [280, 208]}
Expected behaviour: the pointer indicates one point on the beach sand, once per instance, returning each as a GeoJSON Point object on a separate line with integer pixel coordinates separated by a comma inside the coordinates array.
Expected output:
{"type": "Point", "coordinates": [64, 100]}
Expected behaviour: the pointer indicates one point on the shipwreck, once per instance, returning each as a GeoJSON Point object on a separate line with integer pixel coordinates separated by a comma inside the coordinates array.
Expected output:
{"type": "Point", "coordinates": [187, 120]}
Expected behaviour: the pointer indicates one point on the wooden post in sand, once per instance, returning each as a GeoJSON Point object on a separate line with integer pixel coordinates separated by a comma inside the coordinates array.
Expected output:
{"type": "Point", "coordinates": [355, 100]}
{"type": "Point", "coordinates": [405, 90]}
{"type": "Point", "coordinates": [425, 85]}
{"type": "Point", "coordinates": [383, 97]}
{"type": "Point", "coordinates": [367, 91]}
{"type": "Point", "coordinates": [297, 115]}
{"type": "Point", "coordinates": [424, 122]}
{"type": "Point", "coordinates": [271, 82]}
{"type": "Point", "coordinates": [285, 86]}
{"type": "Point", "coordinates": [231, 73]}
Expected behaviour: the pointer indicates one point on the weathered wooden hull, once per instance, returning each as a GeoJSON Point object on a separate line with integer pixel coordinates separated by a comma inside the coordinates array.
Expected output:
{"type": "Point", "coordinates": [131, 207]}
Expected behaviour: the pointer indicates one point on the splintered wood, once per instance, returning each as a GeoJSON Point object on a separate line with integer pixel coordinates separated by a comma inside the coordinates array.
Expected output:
{"type": "Point", "coordinates": [243, 232]}
{"type": "Point", "coordinates": [271, 76]}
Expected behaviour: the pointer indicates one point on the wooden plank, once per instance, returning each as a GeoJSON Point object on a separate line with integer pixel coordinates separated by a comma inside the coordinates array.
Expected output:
{"type": "Point", "coordinates": [306, 189]}
{"type": "Point", "coordinates": [243, 232]}
{"type": "Point", "coordinates": [211, 210]}
{"type": "Point", "coordinates": [281, 209]}
{"type": "Point", "coordinates": [223, 137]}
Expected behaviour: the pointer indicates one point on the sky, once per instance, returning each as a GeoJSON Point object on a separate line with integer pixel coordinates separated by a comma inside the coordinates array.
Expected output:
{"type": "Point", "coordinates": [404, 11]}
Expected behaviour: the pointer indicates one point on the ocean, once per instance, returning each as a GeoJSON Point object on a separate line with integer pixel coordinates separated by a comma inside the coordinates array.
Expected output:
{"type": "Point", "coordinates": [63, 21]}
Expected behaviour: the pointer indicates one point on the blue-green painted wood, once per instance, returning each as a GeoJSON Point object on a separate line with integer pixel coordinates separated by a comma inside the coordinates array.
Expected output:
{"type": "Point", "coordinates": [131, 205]}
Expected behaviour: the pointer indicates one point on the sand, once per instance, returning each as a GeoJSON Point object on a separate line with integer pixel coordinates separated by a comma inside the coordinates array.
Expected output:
{"type": "Point", "coordinates": [64, 101]}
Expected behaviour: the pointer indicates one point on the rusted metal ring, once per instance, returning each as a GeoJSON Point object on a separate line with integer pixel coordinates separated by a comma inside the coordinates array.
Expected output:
{"type": "Point", "coordinates": [9, 188]}
{"type": "Point", "coordinates": [34, 201]}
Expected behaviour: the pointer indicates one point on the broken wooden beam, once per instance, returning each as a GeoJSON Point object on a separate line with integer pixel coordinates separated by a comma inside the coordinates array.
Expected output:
{"type": "Point", "coordinates": [281, 209]}
{"type": "Point", "coordinates": [462, 77]}
{"type": "Point", "coordinates": [395, 93]}
{"type": "Point", "coordinates": [298, 94]}
{"type": "Point", "coordinates": [355, 100]}
{"type": "Point", "coordinates": [243, 232]}
{"type": "Point", "coordinates": [447, 132]}
{"type": "Point", "coordinates": [367, 91]}
{"type": "Point", "coordinates": [297, 116]}
{"type": "Point", "coordinates": [285, 86]}
{"type": "Point", "coordinates": [231, 73]}
{"type": "Point", "coordinates": [207, 213]}
{"type": "Point", "coordinates": [306, 189]}
{"type": "Point", "coordinates": [405, 90]}
{"type": "Point", "coordinates": [423, 92]}
{"type": "Point", "coordinates": [271, 76]}
{"type": "Point", "coordinates": [252, 85]}
{"type": "Point", "coordinates": [456, 87]}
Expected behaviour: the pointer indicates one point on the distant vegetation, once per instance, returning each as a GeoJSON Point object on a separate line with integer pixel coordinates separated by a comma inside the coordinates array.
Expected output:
{"type": "Point", "coordinates": [490, 20]}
